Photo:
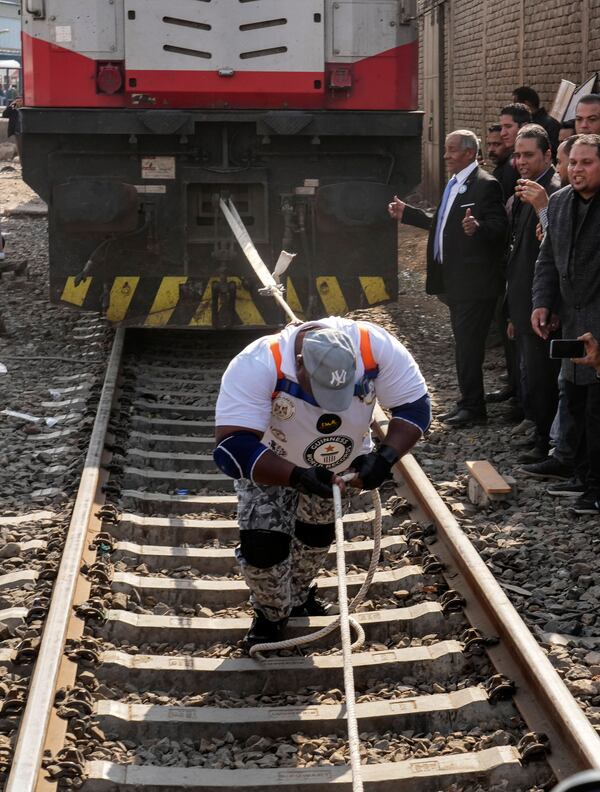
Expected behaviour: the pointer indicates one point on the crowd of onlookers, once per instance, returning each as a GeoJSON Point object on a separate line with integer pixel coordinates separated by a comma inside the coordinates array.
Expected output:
{"type": "Point", "coordinates": [518, 245]}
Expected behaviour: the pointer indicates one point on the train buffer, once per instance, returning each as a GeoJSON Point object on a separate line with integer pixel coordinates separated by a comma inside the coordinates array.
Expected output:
{"type": "Point", "coordinates": [487, 485]}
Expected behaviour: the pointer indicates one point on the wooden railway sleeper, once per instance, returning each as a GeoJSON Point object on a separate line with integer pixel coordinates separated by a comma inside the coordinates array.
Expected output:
{"type": "Point", "coordinates": [499, 688]}
{"type": "Point", "coordinates": [452, 602]}
{"type": "Point", "coordinates": [534, 745]}
{"type": "Point", "coordinates": [86, 650]}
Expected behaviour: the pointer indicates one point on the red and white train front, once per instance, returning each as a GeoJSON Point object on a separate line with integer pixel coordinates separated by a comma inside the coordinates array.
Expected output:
{"type": "Point", "coordinates": [302, 110]}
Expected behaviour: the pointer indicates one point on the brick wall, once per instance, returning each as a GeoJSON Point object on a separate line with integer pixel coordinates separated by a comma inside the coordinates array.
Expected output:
{"type": "Point", "coordinates": [492, 46]}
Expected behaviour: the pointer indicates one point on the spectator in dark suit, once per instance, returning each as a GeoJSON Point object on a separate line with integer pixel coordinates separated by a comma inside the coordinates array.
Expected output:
{"type": "Point", "coordinates": [528, 96]}
{"type": "Point", "coordinates": [533, 158]}
{"type": "Point", "coordinates": [567, 280]}
{"type": "Point", "coordinates": [465, 252]}
{"type": "Point", "coordinates": [587, 115]}
{"type": "Point", "coordinates": [512, 118]}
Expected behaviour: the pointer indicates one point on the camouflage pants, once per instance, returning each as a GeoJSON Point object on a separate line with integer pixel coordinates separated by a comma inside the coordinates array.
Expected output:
{"type": "Point", "coordinates": [278, 588]}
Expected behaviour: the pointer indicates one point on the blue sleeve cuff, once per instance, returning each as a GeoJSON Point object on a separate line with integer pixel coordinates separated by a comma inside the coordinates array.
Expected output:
{"type": "Point", "coordinates": [238, 453]}
{"type": "Point", "coordinates": [417, 413]}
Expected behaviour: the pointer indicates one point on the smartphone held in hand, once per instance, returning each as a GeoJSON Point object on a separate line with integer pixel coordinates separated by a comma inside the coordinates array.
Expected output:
{"type": "Point", "coordinates": [567, 348]}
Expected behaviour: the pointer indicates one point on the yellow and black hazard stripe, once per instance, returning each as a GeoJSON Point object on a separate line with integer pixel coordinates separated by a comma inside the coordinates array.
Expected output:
{"type": "Point", "coordinates": [175, 301]}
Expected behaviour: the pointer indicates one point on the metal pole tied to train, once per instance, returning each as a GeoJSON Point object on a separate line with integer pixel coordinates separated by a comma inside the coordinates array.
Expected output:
{"type": "Point", "coordinates": [270, 285]}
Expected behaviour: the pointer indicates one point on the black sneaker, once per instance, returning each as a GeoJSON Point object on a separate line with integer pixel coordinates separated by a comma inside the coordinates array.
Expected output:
{"type": "Point", "coordinates": [568, 489]}
{"type": "Point", "coordinates": [263, 631]}
{"type": "Point", "coordinates": [550, 468]}
{"type": "Point", "coordinates": [588, 503]}
{"type": "Point", "coordinates": [313, 606]}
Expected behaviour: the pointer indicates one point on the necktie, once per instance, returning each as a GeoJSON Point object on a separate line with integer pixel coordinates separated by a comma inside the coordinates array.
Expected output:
{"type": "Point", "coordinates": [440, 218]}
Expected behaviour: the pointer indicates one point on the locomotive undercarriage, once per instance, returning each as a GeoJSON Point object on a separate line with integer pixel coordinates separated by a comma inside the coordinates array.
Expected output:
{"type": "Point", "coordinates": [135, 226]}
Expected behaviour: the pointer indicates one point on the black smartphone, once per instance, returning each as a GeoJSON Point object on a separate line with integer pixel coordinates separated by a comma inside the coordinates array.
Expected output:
{"type": "Point", "coordinates": [567, 348]}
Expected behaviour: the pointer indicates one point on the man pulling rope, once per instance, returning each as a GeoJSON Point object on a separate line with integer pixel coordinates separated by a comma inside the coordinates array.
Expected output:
{"type": "Point", "coordinates": [293, 413]}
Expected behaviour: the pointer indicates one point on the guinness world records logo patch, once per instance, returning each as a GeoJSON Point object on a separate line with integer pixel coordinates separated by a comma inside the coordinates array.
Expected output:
{"type": "Point", "coordinates": [328, 451]}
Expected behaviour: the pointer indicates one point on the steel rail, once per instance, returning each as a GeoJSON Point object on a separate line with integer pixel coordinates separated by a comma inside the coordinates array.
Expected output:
{"type": "Point", "coordinates": [551, 693]}
{"type": "Point", "coordinates": [32, 732]}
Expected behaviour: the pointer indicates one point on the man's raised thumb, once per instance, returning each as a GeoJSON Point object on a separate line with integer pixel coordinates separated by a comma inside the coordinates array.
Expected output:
{"type": "Point", "coordinates": [468, 213]}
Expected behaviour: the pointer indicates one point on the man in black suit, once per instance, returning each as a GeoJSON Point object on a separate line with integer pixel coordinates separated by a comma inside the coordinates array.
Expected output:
{"type": "Point", "coordinates": [533, 159]}
{"type": "Point", "coordinates": [512, 118]}
{"type": "Point", "coordinates": [465, 252]}
{"type": "Point", "coordinates": [567, 280]}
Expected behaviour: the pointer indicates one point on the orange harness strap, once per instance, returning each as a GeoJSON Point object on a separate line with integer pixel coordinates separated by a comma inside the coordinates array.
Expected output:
{"type": "Point", "coordinates": [366, 352]}
{"type": "Point", "coordinates": [276, 352]}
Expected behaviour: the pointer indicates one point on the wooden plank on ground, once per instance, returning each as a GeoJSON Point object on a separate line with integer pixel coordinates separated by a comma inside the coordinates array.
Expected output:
{"type": "Point", "coordinates": [488, 477]}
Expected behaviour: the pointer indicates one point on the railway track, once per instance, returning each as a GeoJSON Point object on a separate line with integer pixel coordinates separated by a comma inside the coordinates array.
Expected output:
{"type": "Point", "coordinates": [141, 683]}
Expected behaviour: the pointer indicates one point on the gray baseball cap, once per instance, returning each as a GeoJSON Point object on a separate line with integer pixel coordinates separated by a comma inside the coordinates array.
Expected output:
{"type": "Point", "coordinates": [330, 362]}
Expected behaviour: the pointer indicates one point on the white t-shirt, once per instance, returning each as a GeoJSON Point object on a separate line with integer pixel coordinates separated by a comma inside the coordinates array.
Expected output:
{"type": "Point", "coordinates": [246, 395]}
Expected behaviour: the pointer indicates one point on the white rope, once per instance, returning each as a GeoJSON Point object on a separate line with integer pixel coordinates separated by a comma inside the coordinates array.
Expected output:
{"type": "Point", "coordinates": [352, 725]}
{"type": "Point", "coordinates": [344, 621]}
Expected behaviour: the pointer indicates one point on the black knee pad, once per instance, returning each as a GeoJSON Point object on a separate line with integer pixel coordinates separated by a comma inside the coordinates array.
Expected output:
{"type": "Point", "coordinates": [314, 535]}
{"type": "Point", "coordinates": [264, 549]}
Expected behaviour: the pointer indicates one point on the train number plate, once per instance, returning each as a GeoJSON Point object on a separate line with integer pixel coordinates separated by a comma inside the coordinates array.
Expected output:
{"type": "Point", "coordinates": [158, 167]}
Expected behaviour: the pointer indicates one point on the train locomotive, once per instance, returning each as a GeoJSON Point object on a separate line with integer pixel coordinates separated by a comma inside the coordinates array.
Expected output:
{"type": "Point", "coordinates": [140, 115]}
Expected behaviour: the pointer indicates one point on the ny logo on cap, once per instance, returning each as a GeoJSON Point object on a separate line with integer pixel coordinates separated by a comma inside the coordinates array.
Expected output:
{"type": "Point", "coordinates": [338, 378]}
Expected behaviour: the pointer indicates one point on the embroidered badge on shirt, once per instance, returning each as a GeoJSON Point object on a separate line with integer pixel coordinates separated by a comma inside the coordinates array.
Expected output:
{"type": "Point", "coordinates": [281, 436]}
{"type": "Point", "coordinates": [328, 423]}
{"type": "Point", "coordinates": [277, 449]}
{"type": "Point", "coordinates": [328, 451]}
{"type": "Point", "coordinates": [284, 408]}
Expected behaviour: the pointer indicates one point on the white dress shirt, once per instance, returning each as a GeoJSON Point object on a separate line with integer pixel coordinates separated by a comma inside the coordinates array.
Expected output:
{"type": "Point", "coordinates": [461, 177]}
